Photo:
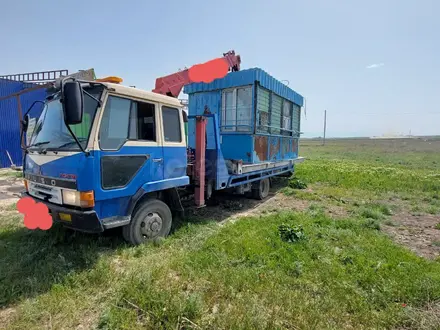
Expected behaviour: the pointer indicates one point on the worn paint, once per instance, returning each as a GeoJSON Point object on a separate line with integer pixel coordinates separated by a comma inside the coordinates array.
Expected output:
{"type": "Point", "coordinates": [260, 148]}
{"type": "Point", "coordinates": [255, 146]}
{"type": "Point", "coordinates": [286, 147]}
{"type": "Point", "coordinates": [274, 148]}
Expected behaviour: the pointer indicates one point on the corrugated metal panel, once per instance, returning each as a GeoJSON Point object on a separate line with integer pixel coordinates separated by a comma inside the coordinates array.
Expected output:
{"type": "Point", "coordinates": [247, 77]}
{"type": "Point", "coordinates": [197, 103]}
{"type": "Point", "coordinates": [9, 119]}
{"type": "Point", "coordinates": [28, 98]}
{"type": "Point", "coordinates": [9, 133]}
{"type": "Point", "coordinates": [8, 87]}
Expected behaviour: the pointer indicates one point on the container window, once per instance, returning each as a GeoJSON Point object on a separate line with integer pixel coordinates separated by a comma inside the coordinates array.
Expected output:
{"type": "Point", "coordinates": [263, 106]}
{"type": "Point", "coordinates": [275, 116]}
{"type": "Point", "coordinates": [229, 111]}
{"type": "Point", "coordinates": [237, 109]}
{"type": "Point", "coordinates": [244, 107]}
{"type": "Point", "coordinates": [171, 124]}
{"type": "Point", "coordinates": [287, 118]}
{"type": "Point", "coordinates": [296, 119]}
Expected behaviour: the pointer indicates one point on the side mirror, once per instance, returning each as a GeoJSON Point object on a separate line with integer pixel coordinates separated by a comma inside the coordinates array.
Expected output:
{"type": "Point", "coordinates": [25, 123]}
{"type": "Point", "coordinates": [72, 102]}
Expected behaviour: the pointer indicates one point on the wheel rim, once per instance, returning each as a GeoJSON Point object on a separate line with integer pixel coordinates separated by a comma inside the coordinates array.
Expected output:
{"type": "Point", "coordinates": [151, 225]}
{"type": "Point", "coordinates": [264, 188]}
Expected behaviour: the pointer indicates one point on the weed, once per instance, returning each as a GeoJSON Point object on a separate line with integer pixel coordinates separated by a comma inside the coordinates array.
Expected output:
{"type": "Point", "coordinates": [316, 209]}
{"type": "Point", "coordinates": [291, 234]}
{"type": "Point", "coordinates": [433, 210]}
{"type": "Point", "coordinates": [437, 226]}
{"type": "Point", "coordinates": [296, 183]}
{"type": "Point", "coordinates": [18, 174]}
{"type": "Point", "coordinates": [305, 195]}
{"type": "Point", "coordinates": [371, 224]}
{"type": "Point", "coordinates": [389, 222]}
{"type": "Point", "coordinates": [288, 191]}
{"type": "Point", "coordinates": [296, 270]}
{"type": "Point", "coordinates": [371, 213]}
{"type": "Point", "coordinates": [436, 243]}
{"type": "Point", "coordinates": [347, 260]}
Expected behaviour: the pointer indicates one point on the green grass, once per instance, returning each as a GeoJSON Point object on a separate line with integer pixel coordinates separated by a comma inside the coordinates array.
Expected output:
{"type": "Point", "coordinates": [344, 273]}
{"type": "Point", "coordinates": [11, 207]}
{"type": "Point", "coordinates": [336, 277]}
{"type": "Point", "coordinates": [11, 173]}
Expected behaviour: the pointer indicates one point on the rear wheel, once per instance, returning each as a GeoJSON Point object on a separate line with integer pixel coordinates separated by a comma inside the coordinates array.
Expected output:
{"type": "Point", "coordinates": [260, 189]}
{"type": "Point", "coordinates": [150, 221]}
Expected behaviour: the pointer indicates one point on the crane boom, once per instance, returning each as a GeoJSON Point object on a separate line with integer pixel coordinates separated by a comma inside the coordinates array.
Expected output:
{"type": "Point", "coordinates": [172, 84]}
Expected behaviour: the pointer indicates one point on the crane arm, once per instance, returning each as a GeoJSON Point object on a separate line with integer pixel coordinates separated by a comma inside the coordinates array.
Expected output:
{"type": "Point", "coordinates": [172, 84]}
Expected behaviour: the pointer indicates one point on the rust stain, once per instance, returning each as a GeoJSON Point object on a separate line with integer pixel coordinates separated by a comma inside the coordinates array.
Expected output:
{"type": "Point", "coordinates": [295, 146]}
{"type": "Point", "coordinates": [285, 150]}
{"type": "Point", "coordinates": [260, 147]}
{"type": "Point", "coordinates": [274, 147]}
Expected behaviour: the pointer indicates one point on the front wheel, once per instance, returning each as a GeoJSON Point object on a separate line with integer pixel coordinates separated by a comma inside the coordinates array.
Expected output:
{"type": "Point", "coordinates": [150, 221]}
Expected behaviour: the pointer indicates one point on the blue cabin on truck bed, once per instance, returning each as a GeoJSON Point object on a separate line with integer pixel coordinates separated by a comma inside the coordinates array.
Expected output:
{"type": "Point", "coordinates": [258, 116]}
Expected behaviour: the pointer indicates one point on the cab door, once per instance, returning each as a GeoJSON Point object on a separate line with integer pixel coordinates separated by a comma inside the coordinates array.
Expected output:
{"type": "Point", "coordinates": [130, 151]}
{"type": "Point", "coordinates": [174, 142]}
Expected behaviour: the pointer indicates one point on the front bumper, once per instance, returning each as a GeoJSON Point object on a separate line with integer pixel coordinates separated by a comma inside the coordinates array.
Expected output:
{"type": "Point", "coordinates": [86, 221]}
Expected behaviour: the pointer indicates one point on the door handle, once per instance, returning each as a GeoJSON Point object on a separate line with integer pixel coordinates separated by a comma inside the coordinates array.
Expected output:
{"type": "Point", "coordinates": [157, 160]}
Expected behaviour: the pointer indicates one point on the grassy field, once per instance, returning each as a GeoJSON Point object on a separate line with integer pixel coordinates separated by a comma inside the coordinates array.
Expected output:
{"type": "Point", "coordinates": [356, 249]}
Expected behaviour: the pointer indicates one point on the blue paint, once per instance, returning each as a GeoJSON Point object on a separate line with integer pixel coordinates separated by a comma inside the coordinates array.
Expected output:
{"type": "Point", "coordinates": [10, 121]}
{"type": "Point", "coordinates": [247, 77]}
{"type": "Point", "coordinates": [240, 145]}
{"type": "Point", "coordinates": [114, 202]}
{"type": "Point", "coordinates": [197, 103]}
{"type": "Point", "coordinates": [258, 175]}
{"type": "Point", "coordinates": [166, 184]}
{"type": "Point", "coordinates": [112, 207]}
{"type": "Point", "coordinates": [237, 146]}
{"type": "Point", "coordinates": [8, 87]}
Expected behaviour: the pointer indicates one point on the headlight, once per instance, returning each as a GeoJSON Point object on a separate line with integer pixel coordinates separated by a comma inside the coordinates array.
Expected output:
{"type": "Point", "coordinates": [79, 198]}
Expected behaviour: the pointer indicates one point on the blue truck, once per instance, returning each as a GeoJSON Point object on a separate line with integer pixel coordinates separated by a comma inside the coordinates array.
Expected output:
{"type": "Point", "coordinates": [103, 155]}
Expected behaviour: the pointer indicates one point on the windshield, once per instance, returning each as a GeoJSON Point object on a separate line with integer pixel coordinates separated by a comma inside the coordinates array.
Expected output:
{"type": "Point", "coordinates": [51, 132]}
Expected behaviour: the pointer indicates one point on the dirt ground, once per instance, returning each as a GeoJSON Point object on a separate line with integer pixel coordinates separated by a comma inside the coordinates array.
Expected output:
{"type": "Point", "coordinates": [417, 232]}
{"type": "Point", "coordinates": [10, 188]}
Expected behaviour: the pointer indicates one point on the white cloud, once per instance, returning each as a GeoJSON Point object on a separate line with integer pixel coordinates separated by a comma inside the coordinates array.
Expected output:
{"type": "Point", "coordinates": [375, 65]}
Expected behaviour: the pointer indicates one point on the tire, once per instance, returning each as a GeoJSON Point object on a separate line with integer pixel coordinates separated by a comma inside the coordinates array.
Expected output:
{"type": "Point", "coordinates": [260, 189]}
{"type": "Point", "coordinates": [150, 221]}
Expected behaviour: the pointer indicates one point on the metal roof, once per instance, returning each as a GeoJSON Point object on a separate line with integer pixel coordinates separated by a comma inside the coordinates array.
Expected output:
{"type": "Point", "coordinates": [142, 94]}
{"type": "Point", "coordinates": [247, 77]}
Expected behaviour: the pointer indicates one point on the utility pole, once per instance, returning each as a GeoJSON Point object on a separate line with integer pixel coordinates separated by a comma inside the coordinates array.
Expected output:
{"type": "Point", "coordinates": [325, 125]}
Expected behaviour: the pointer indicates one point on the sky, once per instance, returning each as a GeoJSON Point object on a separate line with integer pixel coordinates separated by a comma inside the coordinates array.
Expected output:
{"type": "Point", "coordinates": [373, 65]}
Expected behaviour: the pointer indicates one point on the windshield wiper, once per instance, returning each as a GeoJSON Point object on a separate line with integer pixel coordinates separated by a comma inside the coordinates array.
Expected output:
{"type": "Point", "coordinates": [72, 142]}
{"type": "Point", "coordinates": [39, 144]}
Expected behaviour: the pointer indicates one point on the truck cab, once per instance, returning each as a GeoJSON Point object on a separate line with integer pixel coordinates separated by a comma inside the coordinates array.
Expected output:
{"type": "Point", "coordinates": [120, 164]}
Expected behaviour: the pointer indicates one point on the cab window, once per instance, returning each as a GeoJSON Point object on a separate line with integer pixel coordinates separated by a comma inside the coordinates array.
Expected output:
{"type": "Point", "coordinates": [125, 119]}
{"type": "Point", "coordinates": [171, 124]}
